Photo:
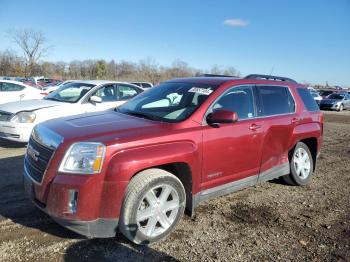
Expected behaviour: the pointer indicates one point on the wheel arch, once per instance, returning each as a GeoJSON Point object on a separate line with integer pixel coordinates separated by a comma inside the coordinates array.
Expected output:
{"type": "Point", "coordinates": [183, 172]}
{"type": "Point", "coordinates": [312, 144]}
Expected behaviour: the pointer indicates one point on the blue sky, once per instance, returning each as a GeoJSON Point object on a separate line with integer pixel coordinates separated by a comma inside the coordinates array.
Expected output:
{"type": "Point", "coordinates": [306, 40]}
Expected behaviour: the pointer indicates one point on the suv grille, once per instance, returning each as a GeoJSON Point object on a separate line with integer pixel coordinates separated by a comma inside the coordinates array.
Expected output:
{"type": "Point", "coordinates": [37, 160]}
{"type": "Point", "coordinates": [5, 116]}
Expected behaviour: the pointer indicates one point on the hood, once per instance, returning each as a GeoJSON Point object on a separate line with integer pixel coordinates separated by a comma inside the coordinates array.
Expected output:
{"type": "Point", "coordinates": [104, 127]}
{"type": "Point", "coordinates": [330, 101]}
{"type": "Point", "coordinates": [28, 105]}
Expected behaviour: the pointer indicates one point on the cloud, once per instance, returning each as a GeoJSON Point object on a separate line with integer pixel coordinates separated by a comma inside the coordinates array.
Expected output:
{"type": "Point", "coordinates": [236, 22]}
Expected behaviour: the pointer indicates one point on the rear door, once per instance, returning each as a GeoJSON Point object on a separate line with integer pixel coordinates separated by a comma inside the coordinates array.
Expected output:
{"type": "Point", "coordinates": [277, 109]}
{"type": "Point", "coordinates": [11, 92]}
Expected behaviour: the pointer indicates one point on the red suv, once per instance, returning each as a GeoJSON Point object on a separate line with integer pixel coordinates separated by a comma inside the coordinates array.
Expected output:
{"type": "Point", "coordinates": [139, 167]}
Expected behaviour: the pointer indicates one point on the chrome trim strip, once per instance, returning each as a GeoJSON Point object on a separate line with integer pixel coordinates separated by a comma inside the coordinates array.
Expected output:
{"type": "Point", "coordinates": [228, 188]}
{"type": "Point", "coordinates": [204, 123]}
{"type": "Point", "coordinates": [274, 172]}
{"type": "Point", "coordinates": [46, 137]}
{"type": "Point", "coordinates": [237, 185]}
{"type": "Point", "coordinates": [26, 173]}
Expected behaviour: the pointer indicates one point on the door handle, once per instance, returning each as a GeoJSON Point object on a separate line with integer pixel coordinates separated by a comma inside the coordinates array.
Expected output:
{"type": "Point", "coordinates": [295, 120]}
{"type": "Point", "coordinates": [254, 127]}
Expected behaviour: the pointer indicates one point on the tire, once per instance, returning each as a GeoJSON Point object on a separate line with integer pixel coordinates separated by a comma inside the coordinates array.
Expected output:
{"type": "Point", "coordinates": [341, 108]}
{"type": "Point", "coordinates": [163, 195]}
{"type": "Point", "coordinates": [301, 166]}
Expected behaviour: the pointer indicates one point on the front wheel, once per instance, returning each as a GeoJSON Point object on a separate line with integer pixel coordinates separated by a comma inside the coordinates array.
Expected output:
{"type": "Point", "coordinates": [301, 166]}
{"type": "Point", "coordinates": [341, 108]}
{"type": "Point", "coordinates": [154, 203]}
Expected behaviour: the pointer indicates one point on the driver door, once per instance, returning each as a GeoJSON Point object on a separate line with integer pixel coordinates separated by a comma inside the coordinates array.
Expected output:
{"type": "Point", "coordinates": [232, 151]}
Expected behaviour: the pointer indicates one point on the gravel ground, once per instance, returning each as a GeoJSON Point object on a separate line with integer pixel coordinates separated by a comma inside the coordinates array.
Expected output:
{"type": "Point", "coordinates": [271, 221]}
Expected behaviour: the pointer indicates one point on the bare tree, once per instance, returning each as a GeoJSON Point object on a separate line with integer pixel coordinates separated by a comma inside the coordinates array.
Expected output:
{"type": "Point", "coordinates": [33, 45]}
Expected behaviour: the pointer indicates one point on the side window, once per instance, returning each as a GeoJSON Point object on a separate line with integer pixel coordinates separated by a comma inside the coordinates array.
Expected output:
{"type": "Point", "coordinates": [308, 100]}
{"type": "Point", "coordinates": [8, 87]}
{"type": "Point", "coordinates": [107, 93]}
{"type": "Point", "coordinates": [275, 100]}
{"type": "Point", "coordinates": [126, 92]}
{"type": "Point", "coordinates": [239, 100]}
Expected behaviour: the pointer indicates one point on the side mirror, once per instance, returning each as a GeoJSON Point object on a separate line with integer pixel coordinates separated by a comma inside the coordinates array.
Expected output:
{"type": "Point", "coordinates": [221, 116]}
{"type": "Point", "coordinates": [96, 99]}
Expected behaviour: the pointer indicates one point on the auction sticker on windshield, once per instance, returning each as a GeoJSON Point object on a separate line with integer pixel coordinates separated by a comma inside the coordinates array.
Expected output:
{"type": "Point", "coordinates": [203, 91]}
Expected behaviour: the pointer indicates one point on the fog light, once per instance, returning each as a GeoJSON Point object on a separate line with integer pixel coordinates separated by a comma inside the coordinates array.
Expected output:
{"type": "Point", "coordinates": [72, 201]}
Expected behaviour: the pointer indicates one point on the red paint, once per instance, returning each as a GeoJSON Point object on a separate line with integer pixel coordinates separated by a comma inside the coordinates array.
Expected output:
{"type": "Point", "coordinates": [215, 156]}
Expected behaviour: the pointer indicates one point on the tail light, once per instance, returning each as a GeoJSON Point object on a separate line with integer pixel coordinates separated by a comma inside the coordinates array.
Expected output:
{"type": "Point", "coordinates": [44, 93]}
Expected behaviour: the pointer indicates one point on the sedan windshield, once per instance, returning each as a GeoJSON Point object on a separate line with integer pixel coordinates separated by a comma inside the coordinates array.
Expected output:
{"type": "Point", "coordinates": [70, 92]}
{"type": "Point", "coordinates": [169, 102]}
{"type": "Point", "coordinates": [336, 96]}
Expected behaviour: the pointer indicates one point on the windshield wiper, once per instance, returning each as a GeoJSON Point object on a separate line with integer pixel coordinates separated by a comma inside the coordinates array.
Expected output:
{"type": "Point", "coordinates": [53, 99]}
{"type": "Point", "coordinates": [139, 114]}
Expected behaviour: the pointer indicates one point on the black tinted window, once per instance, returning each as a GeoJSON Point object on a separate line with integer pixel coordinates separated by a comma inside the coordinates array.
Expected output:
{"type": "Point", "coordinates": [308, 100]}
{"type": "Point", "coordinates": [239, 100]}
{"type": "Point", "coordinates": [275, 100]}
{"type": "Point", "coordinates": [8, 87]}
{"type": "Point", "coordinates": [126, 92]}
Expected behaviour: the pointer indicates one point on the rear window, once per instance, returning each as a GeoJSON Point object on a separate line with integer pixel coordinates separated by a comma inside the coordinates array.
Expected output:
{"type": "Point", "coordinates": [308, 100]}
{"type": "Point", "coordinates": [275, 100]}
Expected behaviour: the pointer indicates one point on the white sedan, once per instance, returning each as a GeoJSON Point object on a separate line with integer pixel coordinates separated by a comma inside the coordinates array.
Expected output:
{"type": "Point", "coordinates": [17, 119]}
{"type": "Point", "coordinates": [11, 91]}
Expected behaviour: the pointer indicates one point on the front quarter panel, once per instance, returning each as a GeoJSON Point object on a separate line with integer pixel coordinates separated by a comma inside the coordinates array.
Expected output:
{"type": "Point", "coordinates": [125, 164]}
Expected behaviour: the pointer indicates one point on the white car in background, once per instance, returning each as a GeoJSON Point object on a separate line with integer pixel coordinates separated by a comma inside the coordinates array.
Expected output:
{"type": "Point", "coordinates": [11, 91]}
{"type": "Point", "coordinates": [50, 88]}
{"type": "Point", "coordinates": [317, 97]}
{"type": "Point", "coordinates": [77, 97]}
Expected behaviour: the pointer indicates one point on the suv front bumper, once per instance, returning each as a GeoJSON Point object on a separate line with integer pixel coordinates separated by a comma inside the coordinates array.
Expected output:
{"type": "Point", "coordinates": [98, 228]}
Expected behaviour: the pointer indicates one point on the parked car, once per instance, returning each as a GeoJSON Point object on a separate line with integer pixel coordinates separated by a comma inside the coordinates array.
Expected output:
{"type": "Point", "coordinates": [18, 119]}
{"type": "Point", "coordinates": [137, 168]}
{"type": "Point", "coordinates": [11, 91]}
{"type": "Point", "coordinates": [336, 101]}
{"type": "Point", "coordinates": [144, 85]}
{"type": "Point", "coordinates": [53, 87]}
{"type": "Point", "coordinates": [41, 82]}
{"type": "Point", "coordinates": [316, 97]}
{"type": "Point", "coordinates": [325, 93]}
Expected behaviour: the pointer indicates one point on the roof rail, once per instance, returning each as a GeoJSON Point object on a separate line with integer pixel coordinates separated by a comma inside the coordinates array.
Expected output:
{"type": "Point", "coordinates": [215, 75]}
{"type": "Point", "coordinates": [269, 77]}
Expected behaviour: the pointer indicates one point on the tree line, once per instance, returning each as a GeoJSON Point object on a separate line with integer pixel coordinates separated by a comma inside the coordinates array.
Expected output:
{"type": "Point", "coordinates": [145, 70]}
{"type": "Point", "coordinates": [34, 47]}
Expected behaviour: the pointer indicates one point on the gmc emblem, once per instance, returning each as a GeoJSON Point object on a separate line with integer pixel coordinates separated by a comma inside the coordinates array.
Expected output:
{"type": "Point", "coordinates": [33, 153]}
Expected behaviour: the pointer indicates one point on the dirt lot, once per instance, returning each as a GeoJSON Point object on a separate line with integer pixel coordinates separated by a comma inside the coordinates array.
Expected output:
{"type": "Point", "coordinates": [271, 221]}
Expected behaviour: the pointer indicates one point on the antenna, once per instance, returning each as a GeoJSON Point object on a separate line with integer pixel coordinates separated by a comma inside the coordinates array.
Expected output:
{"type": "Point", "coordinates": [273, 67]}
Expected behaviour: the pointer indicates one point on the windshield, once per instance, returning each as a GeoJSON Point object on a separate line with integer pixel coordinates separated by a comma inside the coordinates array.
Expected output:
{"type": "Point", "coordinates": [70, 92]}
{"type": "Point", "coordinates": [169, 102]}
{"type": "Point", "coordinates": [325, 93]}
{"type": "Point", "coordinates": [336, 96]}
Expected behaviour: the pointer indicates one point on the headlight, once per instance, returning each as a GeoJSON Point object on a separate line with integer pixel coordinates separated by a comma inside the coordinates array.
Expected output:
{"type": "Point", "coordinates": [83, 158]}
{"type": "Point", "coordinates": [24, 117]}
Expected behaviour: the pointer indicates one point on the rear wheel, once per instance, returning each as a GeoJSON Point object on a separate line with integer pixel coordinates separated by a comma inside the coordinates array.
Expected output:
{"type": "Point", "coordinates": [153, 205]}
{"type": "Point", "coordinates": [301, 166]}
